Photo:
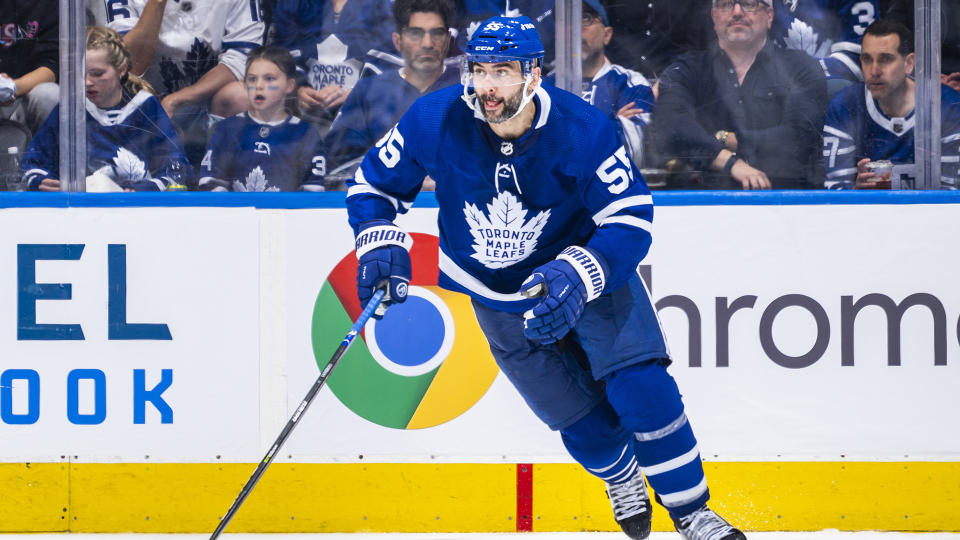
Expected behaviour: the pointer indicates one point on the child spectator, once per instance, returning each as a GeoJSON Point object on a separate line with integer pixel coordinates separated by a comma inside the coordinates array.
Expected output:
{"type": "Point", "coordinates": [265, 148]}
{"type": "Point", "coordinates": [131, 144]}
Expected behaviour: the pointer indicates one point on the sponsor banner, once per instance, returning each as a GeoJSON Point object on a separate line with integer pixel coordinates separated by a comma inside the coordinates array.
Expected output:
{"type": "Point", "coordinates": [797, 332]}
{"type": "Point", "coordinates": [129, 334]}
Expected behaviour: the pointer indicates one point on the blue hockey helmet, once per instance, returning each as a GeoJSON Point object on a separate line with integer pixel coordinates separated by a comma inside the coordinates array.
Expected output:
{"type": "Point", "coordinates": [506, 39]}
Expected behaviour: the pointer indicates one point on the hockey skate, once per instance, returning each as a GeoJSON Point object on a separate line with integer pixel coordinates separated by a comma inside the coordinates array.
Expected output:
{"type": "Point", "coordinates": [705, 524]}
{"type": "Point", "coordinates": [631, 506]}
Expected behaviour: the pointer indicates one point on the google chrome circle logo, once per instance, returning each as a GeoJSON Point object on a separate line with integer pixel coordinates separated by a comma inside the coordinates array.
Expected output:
{"type": "Point", "coordinates": [425, 363]}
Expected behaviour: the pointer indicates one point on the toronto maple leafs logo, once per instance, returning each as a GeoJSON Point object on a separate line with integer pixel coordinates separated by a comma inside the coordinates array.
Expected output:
{"type": "Point", "coordinates": [502, 237]}
{"type": "Point", "coordinates": [128, 168]}
{"type": "Point", "coordinates": [255, 181]}
{"type": "Point", "coordinates": [802, 37]}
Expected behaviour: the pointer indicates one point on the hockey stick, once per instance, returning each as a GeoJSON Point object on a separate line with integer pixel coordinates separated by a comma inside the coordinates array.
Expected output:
{"type": "Point", "coordinates": [298, 414]}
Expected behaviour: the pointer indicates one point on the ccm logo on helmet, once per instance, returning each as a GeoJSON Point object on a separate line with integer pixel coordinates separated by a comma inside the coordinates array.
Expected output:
{"type": "Point", "coordinates": [484, 48]}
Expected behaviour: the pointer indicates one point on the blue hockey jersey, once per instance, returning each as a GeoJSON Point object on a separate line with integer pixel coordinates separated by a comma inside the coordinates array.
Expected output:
{"type": "Point", "coordinates": [857, 128]}
{"type": "Point", "coordinates": [829, 30]}
{"type": "Point", "coordinates": [245, 154]}
{"type": "Point", "coordinates": [373, 107]}
{"type": "Point", "coordinates": [134, 143]}
{"type": "Point", "coordinates": [331, 47]}
{"type": "Point", "coordinates": [508, 206]}
{"type": "Point", "coordinates": [610, 89]}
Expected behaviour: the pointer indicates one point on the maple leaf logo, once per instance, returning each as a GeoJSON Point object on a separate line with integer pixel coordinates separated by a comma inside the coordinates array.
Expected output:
{"type": "Point", "coordinates": [802, 37]}
{"type": "Point", "coordinates": [502, 237]}
{"type": "Point", "coordinates": [255, 181]}
{"type": "Point", "coordinates": [128, 167]}
{"type": "Point", "coordinates": [200, 59]}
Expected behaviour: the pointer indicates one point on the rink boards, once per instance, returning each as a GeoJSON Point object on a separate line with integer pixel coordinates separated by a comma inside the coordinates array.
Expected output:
{"type": "Point", "coordinates": [155, 346]}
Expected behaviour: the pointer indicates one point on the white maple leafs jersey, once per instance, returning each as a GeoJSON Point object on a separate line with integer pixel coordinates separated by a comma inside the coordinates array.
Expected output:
{"type": "Point", "coordinates": [857, 128]}
{"type": "Point", "coordinates": [507, 207]}
{"type": "Point", "coordinates": [245, 154]}
{"type": "Point", "coordinates": [133, 144]}
{"type": "Point", "coordinates": [195, 36]}
{"type": "Point", "coordinates": [829, 30]}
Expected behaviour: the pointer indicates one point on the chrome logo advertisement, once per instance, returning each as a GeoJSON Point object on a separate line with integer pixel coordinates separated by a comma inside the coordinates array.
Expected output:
{"type": "Point", "coordinates": [425, 363]}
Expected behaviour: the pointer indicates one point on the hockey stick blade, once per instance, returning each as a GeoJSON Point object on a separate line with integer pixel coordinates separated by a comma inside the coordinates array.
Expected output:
{"type": "Point", "coordinates": [302, 408]}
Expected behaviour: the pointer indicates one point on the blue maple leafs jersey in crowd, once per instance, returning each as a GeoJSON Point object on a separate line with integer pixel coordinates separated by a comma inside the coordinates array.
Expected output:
{"type": "Point", "coordinates": [134, 143]}
{"type": "Point", "coordinates": [373, 107]}
{"type": "Point", "coordinates": [829, 30]}
{"type": "Point", "coordinates": [507, 207]}
{"type": "Point", "coordinates": [610, 89]}
{"type": "Point", "coordinates": [857, 128]}
{"type": "Point", "coordinates": [195, 36]}
{"type": "Point", "coordinates": [245, 154]}
{"type": "Point", "coordinates": [331, 47]}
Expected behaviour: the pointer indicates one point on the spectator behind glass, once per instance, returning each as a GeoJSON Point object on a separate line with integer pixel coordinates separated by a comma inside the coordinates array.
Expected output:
{"type": "Point", "coordinates": [902, 10]}
{"type": "Point", "coordinates": [648, 35]}
{"type": "Point", "coordinates": [330, 40]}
{"type": "Point", "coordinates": [28, 60]}
{"type": "Point", "coordinates": [376, 104]}
{"type": "Point", "coordinates": [192, 51]}
{"type": "Point", "coordinates": [828, 30]}
{"type": "Point", "coordinates": [624, 95]}
{"type": "Point", "coordinates": [746, 113]}
{"type": "Point", "coordinates": [265, 148]}
{"type": "Point", "coordinates": [875, 121]}
{"type": "Point", "coordinates": [131, 144]}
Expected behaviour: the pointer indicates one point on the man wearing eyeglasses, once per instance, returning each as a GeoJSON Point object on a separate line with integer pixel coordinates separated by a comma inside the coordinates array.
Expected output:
{"type": "Point", "coordinates": [744, 112]}
{"type": "Point", "coordinates": [422, 37]}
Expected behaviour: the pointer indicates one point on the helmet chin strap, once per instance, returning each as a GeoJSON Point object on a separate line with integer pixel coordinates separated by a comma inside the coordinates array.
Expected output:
{"type": "Point", "coordinates": [471, 99]}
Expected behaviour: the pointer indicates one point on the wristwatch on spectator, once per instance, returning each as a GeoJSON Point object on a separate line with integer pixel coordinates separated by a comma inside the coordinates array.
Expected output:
{"type": "Point", "coordinates": [731, 161]}
{"type": "Point", "coordinates": [721, 136]}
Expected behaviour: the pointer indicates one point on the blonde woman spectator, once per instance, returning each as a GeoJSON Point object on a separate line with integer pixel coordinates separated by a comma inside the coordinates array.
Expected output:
{"type": "Point", "coordinates": [131, 144]}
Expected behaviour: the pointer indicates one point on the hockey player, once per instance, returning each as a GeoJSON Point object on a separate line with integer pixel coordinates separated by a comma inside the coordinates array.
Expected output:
{"type": "Point", "coordinates": [623, 94]}
{"type": "Point", "coordinates": [131, 144]}
{"type": "Point", "coordinates": [265, 148]}
{"type": "Point", "coordinates": [874, 121]}
{"type": "Point", "coordinates": [828, 30]}
{"type": "Point", "coordinates": [377, 103]}
{"type": "Point", "coordinates": [543, 219]}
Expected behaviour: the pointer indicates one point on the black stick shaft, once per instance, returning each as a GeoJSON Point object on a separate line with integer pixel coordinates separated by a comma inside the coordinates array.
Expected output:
{"type": "Point", "coordinates": [298, 414]}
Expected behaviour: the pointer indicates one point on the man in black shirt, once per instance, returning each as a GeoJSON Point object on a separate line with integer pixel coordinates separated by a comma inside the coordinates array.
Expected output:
{"type": "Point", "coordinates": [745, 113]}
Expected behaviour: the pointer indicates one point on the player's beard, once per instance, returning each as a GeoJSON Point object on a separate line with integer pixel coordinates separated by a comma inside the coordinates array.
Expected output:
{"type": "Point", "coordinates": [511, 104]}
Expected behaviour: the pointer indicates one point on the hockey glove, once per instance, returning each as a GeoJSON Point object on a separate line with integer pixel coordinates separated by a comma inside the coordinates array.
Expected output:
{"type": "Point", "coordinates": [383, 251]}
{"type": "Point", "coordinates": [566, 284]}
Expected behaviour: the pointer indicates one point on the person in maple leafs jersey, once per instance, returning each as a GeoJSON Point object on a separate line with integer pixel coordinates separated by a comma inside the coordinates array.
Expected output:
{"type": "Point", "coordinates": [265, 148]}
{"type": "Point", "coordinates": [828, 30]}
{"type": "Point", "coordinates": [543, 220]}
{"type": "Point", "coordinates": [131, 144]}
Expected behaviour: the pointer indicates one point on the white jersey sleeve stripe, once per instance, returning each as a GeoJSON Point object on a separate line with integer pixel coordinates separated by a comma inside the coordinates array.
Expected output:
{"type": "Point", "coordinates": [631, 221]}
{"type": "Point", "coordinates": [836, 132]}
{"type": "Point", "coordinates": [620, 204]}
{"type": "Point", "coordinates": [842, 172]}
{"type": "Point", "coordinates": [363, 187]}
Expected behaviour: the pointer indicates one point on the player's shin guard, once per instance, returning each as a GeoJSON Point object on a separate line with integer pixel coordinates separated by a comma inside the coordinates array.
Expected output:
{"type": "Point", "coordinates": [648, 402]}
{"type": "Point", "coordinates": [599, 443]}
